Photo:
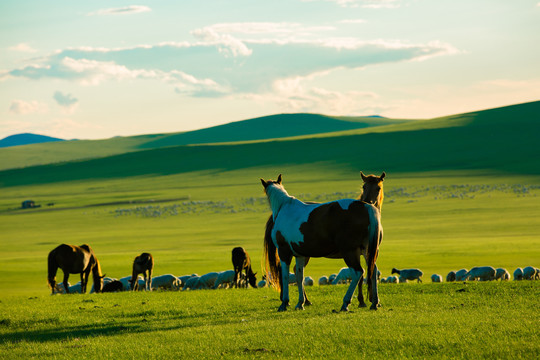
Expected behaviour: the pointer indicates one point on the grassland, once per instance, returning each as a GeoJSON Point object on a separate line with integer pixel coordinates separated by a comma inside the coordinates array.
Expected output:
{"type": "Point", "coordinates": [457, 195]}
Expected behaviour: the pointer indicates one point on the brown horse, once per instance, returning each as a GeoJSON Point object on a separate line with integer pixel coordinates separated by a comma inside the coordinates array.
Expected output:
{"type": "Point", "coordinates": [343, 229]}
{"type": "Point", "coordinates": [242, 262]}
{"type": "Point", "coordinates": [143, 264]}
{"type": "Point", "coordinates": [74, 259]}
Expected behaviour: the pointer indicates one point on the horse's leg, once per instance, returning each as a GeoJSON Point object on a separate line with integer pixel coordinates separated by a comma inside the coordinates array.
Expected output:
{"type": "Point", "coordinates": [65, 282]}
{"type": "Point", "coordinates": [306, 302]}
{"type": "Point", "coordinates": [235, 280]}
{"type": "Point", "coordinates": [300, 263]}
{"type": "Point", "coordinates": [285, 282]}
{"type": "Point", "coordinates": [149, 284]}
{"type": "Point", "coordinates": [374, 294]}
{"type": "Point", "coordinates": [84, 280]}
{"type": "Point", "coordinates": [361, 301]}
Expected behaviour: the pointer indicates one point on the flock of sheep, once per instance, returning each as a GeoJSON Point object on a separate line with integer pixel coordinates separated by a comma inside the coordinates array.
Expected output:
{"type": "Point", "coordinates": [225, 279]}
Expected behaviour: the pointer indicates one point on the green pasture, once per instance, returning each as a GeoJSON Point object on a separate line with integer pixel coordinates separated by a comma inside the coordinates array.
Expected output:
{"type": "Point", "coordinates": [416, 321]}
{"type": "Point", "coordinates": [437, 222]}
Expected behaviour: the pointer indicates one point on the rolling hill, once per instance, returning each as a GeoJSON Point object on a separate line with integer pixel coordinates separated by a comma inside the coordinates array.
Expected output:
{"type": "Point", "coordinates": [26, 139]}
{"type": "Point", "coordinates": [263, 128]}
{"type": "Point", "coordinates": [496, 140]}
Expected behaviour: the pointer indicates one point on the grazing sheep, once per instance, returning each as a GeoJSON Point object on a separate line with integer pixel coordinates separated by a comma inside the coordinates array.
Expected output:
{"type": "Point", "coordinates": [502, 274]}
{"type": "Point", "coordinates": [76, 289]}
{"type": "Point", "coordinates": [409, 274]}
{"type": "Point", "coordinates": [142, 264]}
{"type": "Point", "coordinates": [331, 278]}
{"type": "Point", "coordinates": [392, 280]}
{"type": "Point", "coordinates": [106, 280]}
{"type": "Point", "coordinates": [185, 278]}
{"type": "Point", "coordinates": [436, 278]}
{"type": "Point", "coordinates": [126, 282]}
{"type": "Point", "coordinates": [451, 276]}
{"type": "Point", "coordinates": [383, 281]}
{"type": "Point", "coordinates": [225, 279]}
{"type": "Point", "coordinates": [343, 276]}
{"type": "Point", "coordinates": [531, 273]}
{"type": "Point", "coordinates": [292, 279]}
{"type": "Point", "coordinates": [308, 281]}
{"type": "Point", "coordinates": [165, 282]}
{"type": "Point", "coordinates": [207, 281]}
{"type": "Point", "coordinates": [518, 274]}
{"type": "Point", "coordinates": [482, 273]}
{"type": "Point", "coordinates": [461, 275]}
{"type": "Point", "coordinates": [323, 280]}
{"type": "Point", "coordinates": [191, 283]}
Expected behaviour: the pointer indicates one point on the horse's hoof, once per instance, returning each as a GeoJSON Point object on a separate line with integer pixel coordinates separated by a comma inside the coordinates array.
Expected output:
{"type": "Point", "coordinates": [344, 308]}
{"type": "Point", "coordinates": [362, 305]}
{"type": "Point", "coordinates": [299, 307]}
{"type": "Point", "coordinates": [308, 303]}
{"type": "Point", "coordinates": [281, 309]}
{"type": "Point", "coordinates": [374, 307]}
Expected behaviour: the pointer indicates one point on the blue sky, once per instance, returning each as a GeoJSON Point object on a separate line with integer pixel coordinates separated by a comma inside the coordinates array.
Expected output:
{"type": "Point", "coordinates": [98, 69]}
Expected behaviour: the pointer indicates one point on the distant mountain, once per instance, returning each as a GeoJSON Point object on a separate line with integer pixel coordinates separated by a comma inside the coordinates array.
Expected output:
{"type": "Point", "coordinates": [26, 139]}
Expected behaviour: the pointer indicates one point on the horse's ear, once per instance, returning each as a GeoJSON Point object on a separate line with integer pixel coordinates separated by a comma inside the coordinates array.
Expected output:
{"type": "Point", "coordinates": [103, 276]}
{"type": "Point", "coordinates": [382, 176]}
{"type": "Point", "coordinates": [364, 177]}
{"type": "Point", "coordinates": [279, 179]}
{"type": "Point", "coordinates": [264, 183]}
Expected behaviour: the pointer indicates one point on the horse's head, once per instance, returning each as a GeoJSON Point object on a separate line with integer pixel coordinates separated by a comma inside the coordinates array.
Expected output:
{"type": "Point", "coordinates": [373, 189]}
{"type": "Point", "coordinates": [252, 279]}
{"type": "Point", "coordinates": [98, 278]}
{"type": "Point", "coordinates": [266, 184]}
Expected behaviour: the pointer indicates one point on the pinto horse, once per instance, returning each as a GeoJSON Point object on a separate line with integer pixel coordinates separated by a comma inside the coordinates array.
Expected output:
{"type": "Point", "coordinates": [242, 262]}
{"type": "Point", "coordinates": [143, 264]}
{"type": "Point", "coordinates": [343, 229]}
{"type": "Point", "coordinates": [74, 259]}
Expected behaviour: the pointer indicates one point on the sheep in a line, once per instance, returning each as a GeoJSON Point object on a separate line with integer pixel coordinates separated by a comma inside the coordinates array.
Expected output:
{"type": "Point", "coordinates": [392, 280]}
{"type": "Point", "coordinates": [207, 281]}
{"type": "Point", "coordinates": [323, 280]}
{"type": "Point", "coordinates": [191, 283]}
{"type": "Point", "coordinates": [185, 278]}
{"type": "Point", "coordinates": [343, 276]}
{"type": "Point", "coordinates": [308, 281]}
{"type": "Point", "coordinates": [518, 274]}
{"type": "Point", "coordinates": [482, 273]}
{"type": "Point", "coordinates": [531, 273]}
{"type": "Point", "coordinates": [225, 279]}
{"type": "Point", "coordinates": [409, 274]}
{"type": "Point", "coordinates": [461, 275]}
{"type": "Point", "coordinates": [502, 274]}
{"type": "Point", "coordinates": [436, 278]}
{"type": "Point", "coordinates": [451, 276]}
{"type": "Point", "coordinates": [165, 282]}
{"type": "Point", "coordinates": [331, 278]}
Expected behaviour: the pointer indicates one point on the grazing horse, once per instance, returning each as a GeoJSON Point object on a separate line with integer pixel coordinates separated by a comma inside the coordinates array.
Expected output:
{"type": "Point", "coordinates": [74, 260]}
{"type": "Point", "coordinates": [242, 262]}
{"type": "Point", "coordinates": [343, 229]}
{"type": "Point", "coordinates": [143, 264]}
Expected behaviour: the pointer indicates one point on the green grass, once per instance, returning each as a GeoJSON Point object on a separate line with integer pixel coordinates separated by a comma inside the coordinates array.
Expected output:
{"type": "Point", "coordinates": [448, 321]}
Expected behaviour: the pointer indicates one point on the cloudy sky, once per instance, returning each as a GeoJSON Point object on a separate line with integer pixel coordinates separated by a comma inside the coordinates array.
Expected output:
{"type": "Point", "coordinates": [98, 69]}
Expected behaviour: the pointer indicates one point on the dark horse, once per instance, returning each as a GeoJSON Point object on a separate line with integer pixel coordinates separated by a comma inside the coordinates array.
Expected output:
{"type": "Point", "coordinates": [344, 229]}
{"type": "Point", "coordinates": [242, 262]}
{"type": "Point", "coordinates": [74, 259]}
{"type": "Point", "coordinates": [143, 264]}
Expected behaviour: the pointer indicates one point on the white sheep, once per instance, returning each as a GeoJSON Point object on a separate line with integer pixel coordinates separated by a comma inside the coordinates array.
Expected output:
{"type": "Point", "coordinates": [451, 276]}
{"type": "Point", "coordinates": [409, 274]}
{"type": "Point", "coordinates": [343, 276]}
{"type": "Point", "coordinates": [383, 281]}
{"type": "Point", "coordinates": [165, 282]}
{"type": "Point", "coordinates": [502, 274]}
{"type": "Point", "coordinates": [392, 280]}
{"type": "Point", "coordinates": [518, 274]}
{"type": "Point", "coordinates": [292, 279]}
{"type": "Point", "coordinates": [225, 279]}
{"type": "Point", "coordinates": [127, 285]}
{"type": "Point", "coordinates": [323, 280]}
{"type": "Point", "coordinates": [308, 281]}
{"type": "Point", "coordinates": [436, 278]}
{"type": "Point", "coordinates": [461, 275]}
{"type": "Point", "coordinates": [207, 281]}
{"type": "Point", "coordinates": [191, 283]}
{"type": "Point", "coordinates": [482, 273]}
{"type": "Point", "coordinates": [331, 278]}
{"type": "Point", "coordinates": [531, 273]}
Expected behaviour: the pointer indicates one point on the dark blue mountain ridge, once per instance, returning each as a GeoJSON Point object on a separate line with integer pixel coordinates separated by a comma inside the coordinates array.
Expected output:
{"type": "Point", "coordinates": [26, 139]}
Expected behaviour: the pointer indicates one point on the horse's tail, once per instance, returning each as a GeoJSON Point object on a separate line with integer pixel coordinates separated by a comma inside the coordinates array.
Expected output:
{"type": "Point", "coordinates": [271, 258]}
{"type": "Point", "coordinates": [52, 267]}
{"type": "Point", "coordinates": [375, 238]}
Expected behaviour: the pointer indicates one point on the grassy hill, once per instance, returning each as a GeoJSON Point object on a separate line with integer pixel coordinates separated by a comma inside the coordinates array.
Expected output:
{"type": "Point", "coordinates": [497, 140]}
{"type": "Point", "coordinates": [275, 126]}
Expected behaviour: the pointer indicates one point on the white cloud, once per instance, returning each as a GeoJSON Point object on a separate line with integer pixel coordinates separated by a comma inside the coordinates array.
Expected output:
{"type": "Point", "coordinates": [353, 21]}
{"type": "Point", "coordinates": [22, 47]}
{"type": "Point", "coordinates": [22, 107]}
{"type": "Point", "coordinates": [370, 4]}
{"type": "Point", "coordinates": [126, 10]}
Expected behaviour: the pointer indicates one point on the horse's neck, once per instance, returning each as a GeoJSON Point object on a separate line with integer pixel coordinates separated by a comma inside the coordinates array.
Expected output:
{"type": "Point", "coordinates": [278, 196]}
